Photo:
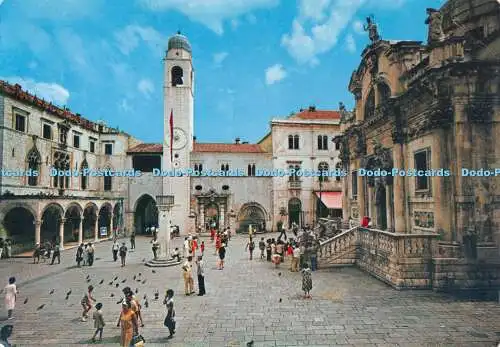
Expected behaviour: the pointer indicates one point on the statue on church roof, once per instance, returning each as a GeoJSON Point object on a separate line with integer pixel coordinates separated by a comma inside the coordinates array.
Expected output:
{"type": "Point", "coordinates": [435, 22]}
{"type": "Point", "coordinates": [371, 27]}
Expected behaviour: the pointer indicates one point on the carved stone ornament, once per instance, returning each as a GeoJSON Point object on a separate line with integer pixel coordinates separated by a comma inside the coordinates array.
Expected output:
{"type": "Point", "coordinates": [360, 143]}
{"type": "Point", "coordinates": [423, 219]}
{"type": "Point", "coordinates": [372, 30]}
{"type": "Point", "coordinates": [441, 116]}
{"type": "Point", "coordinates": [435, 22]}
{"type": "Point", "coordinates": [480, 112]}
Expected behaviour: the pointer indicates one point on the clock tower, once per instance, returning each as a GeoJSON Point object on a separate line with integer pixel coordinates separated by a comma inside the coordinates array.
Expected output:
{"type": "Point", "coordinates": [178, 125]}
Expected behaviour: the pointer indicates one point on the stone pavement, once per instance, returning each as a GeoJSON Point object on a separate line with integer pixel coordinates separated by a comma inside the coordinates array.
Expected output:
{"type": "Point", "coordinates": [348, 308]}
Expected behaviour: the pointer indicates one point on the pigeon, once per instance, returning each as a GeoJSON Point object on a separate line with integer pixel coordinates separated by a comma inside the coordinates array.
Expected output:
{"type": "Point", "coordinates": [125, 280]}
{"type": "Point", "coordinates": [145, 297]}
{"type": "Point", "coordinates": [136, 290]}
{"type": "Point", "coordinates": [144, 260]}
{"type": "Point", "coordinates": [153, 271]}
{"type": "Point", "coordinates": [146, 304]}
{"type": "Point", "coordinates": [144, 282]}
{"type": "Point", "coordinates": [88, 281]}
{"type": "Point", "coordinates": [68, 293]}
{"type": "Point", "coordinates": [250, 344]}
{"type": "Point", "coordinates": [111, 295]}
{"type": "Point", "coordinates": [157, 295]}
{"type": "Point", "coordinates": [40, 307]}
{"type": "Point", "coordinates": [67, 297]}
{"type": "Point", "coordinates": [119, 301]}
{"type": "Point", "coordinates": [52, 292]}
{"type": "Point", "coordinates": [114, 279]}
{"type": "Point", "coordinates": [25, 301]}
{"type": "Point", "coordinates": [117, 285]}
{"type": "Point", "coordinates": [279, 273]}
{"type": "Point", "coordinates": [110, 283]}
{"type": "Point", "coordinates": [280, 299]}
{"type": "Point", "coordinates": [140, 274]}
{"type": "Point", "coordinates": [102, 281]}
{"type": "Point", "coordinates": [134, 277]}
{"type": "Point", "coordinates": [88, 276]}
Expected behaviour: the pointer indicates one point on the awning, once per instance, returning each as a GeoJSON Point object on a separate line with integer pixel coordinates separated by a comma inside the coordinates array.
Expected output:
{"type": "Point", "coordinates": [331, 199]}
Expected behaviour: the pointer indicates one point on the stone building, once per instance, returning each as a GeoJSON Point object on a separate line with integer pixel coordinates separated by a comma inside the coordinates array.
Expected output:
{"type": "Point", "coordinates": [37, 135]}
{"type": "Point", "coordinates": [432, 107]}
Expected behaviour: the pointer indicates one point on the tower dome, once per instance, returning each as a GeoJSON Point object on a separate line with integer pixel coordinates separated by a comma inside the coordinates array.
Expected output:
{"type": "Point", "coordinates": [179, 41]}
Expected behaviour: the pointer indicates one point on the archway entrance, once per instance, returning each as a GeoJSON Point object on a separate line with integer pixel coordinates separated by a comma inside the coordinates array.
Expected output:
{"type": "Point", "coordinates": [212, 215]}
{"type": "Point", "coordinates": [251, 215]}
{"type": "Point", "coordinates": [105, 221]}
{"type": "Point", "coordinates": [89, 220]}
{"type": "Point", "coordinates": [380, 202]}
{"type": "Point", "coordinates": [51, 221]}
{"type": "Point", "coordinates": [146, 214]}
{"type": "Point", "coordinates": [19, 225]}
{"type": "Point", "coordinates": [72, 224]}
{"type": "Point", "coordinates": [117, 218]}
{"type": "Point", "coordinates": [294, 212]}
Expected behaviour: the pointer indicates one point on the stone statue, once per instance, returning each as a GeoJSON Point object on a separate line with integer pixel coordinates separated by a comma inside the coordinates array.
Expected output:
{"type": "Point", "coordinates": [371, 27]}
{"type": "Point", "coordinates": [435, 22]}
{"type": "Point", "coordinates": [379, 192]}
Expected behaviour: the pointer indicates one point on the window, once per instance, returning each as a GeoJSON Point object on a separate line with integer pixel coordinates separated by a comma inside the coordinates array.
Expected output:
{"type": "Point", "coordinates": [293, 173]}
{"type": "Point", "coordinates": [146, 163]}
{"type": "Point", "coordinates": [384, 92]}
{"type": "Point", "coordinates": [198, 167]}
{"type": "Point", "coordinates": [177, 76]}
{"type": "Point", "coordinates": [108, 183]}
{"type": "Point", "coordinates": [224, 167]}
{"type": "Point", "coordinates": [251, 170]}
{"type": "Point", "coordinates": [108, 148]}
{"type": "Point", "coordinates": [34, 159]}
{"type": "Point", "coordinates": [47, 132]}
{"type": "Point", "coordinates": [20, 123]}
{"type": "Point", "coordinates": [322, 142]}
{"type": "Point", "coordinates": [337, 146]}
{"type": "Point", "coordinates": [84, 178]}
{"type": "Point", "coordinates": [61, 162]}
{"type": "Point", "coordinates": [323, 167]}
{"type": "Point", "coordinates": [422, 162]}
{"type": "Point", "coordinates": [370, 105]}
{"type": "Point", "coordinates": [338, 168]}
{"type": "Point", "coordinates": [354, 184]}
{"type": "Point", "coordinates": [92, 146]}
{"type": "Point", "coordinates": [293, 141]}
{"type": "Point", "coordinates": [76, 141]}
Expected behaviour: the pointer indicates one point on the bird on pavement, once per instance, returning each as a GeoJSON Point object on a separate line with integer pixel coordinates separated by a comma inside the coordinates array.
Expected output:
{"type": "Point", "coordinates": [279, 273]}
{"type": "Point", "coordinates": [119, 301]}
{"type": "Point", "coordinates": [88, 276]}
{"type": "Point", "coordinates": [117, 285]}
{"type": "Point", "coordinates": [280, 299]}
{"type": "Point", "coordinates": [136, 290]}
{"type": "Point", "coordinates": [145, 296]}
{"type": "Point", "coordinates": [40, 307]}
{"type": "Point", "coordinates": [111, 295]}
{"type": "Point", "coordinates": [250, 344]}
{"type": "Point", "coordinates": [110, 283]}
{"type": "Point", "coordinates": [146, 304]}
{"type": "Point", "coordinates": [140, 274]}
{"type": "Point", "coordinates": [134, 277]}
{"type": "Point", "coordinates": [144, 282]}
{"type": "Point", "coordinates": [153, 271]}
{"type": "Point", "coordinates": [102, 281]}
{"type": "Point", "coordinates": [68, 293]}
{"type": "Point", "coordinates": [25, 301]}
{"type": "Point", "coordinates": [88, 280]}
{"type": "Point", "coordinates": [125, 280]}
{"type": "Point", "coordinates": [52, 292]}
{"type": "Point", "coordinates": [114, 279]}
{"type": "Point", "coordinates": [157, 295]}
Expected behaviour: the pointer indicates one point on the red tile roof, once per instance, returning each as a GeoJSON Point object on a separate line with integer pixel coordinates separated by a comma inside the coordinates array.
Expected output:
{"type": "Point", "coordinates": [16, 92]}
{"type": "Point", "coordinates": [147, 148]}
{"type": "Point", "coordinates": [316, 115]}
{"type": "Point", "coordinates": [227, 148]}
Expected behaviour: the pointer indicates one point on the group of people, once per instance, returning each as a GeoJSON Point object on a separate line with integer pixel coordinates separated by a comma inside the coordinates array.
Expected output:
{"type": "Point", "coordinates": [85, 253]}
{"type": "Point", "coordinates": [5, 248]}
{"type": "Point", "coordinates": [46, 251]}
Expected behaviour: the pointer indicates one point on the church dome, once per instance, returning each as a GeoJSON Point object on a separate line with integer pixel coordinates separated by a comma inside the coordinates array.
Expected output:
{"type": "Point", "coordinates": [179, 41]}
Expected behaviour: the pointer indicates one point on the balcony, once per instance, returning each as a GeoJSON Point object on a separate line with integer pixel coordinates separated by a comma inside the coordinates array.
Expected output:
{"type": "Point", "coordinates": [295, 185]}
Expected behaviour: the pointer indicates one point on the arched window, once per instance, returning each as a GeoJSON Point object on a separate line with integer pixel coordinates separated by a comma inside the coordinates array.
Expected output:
{"type": "Point", "coordinates": [338, 166]}
{"type": "Point", "coordinates": [61, 163]}
{"type": "Point", "coordinates": [177, 76]}
{"type": "Point", "coordinates": [108, 183]}
{"type": "Point", "coordinates": [370, 105]}
{"type": "Point", "coordinates": [384, 92]}
{"type": "Point", "coordinates": [322, 142]}
{"type": "Point", "coordinates": [296, 142]}
{"type": "Point", "coordinates": [290, 141]}
{"type": "Point", "coordinates": [293, 175]}
{"type": "Point", "coordinates": [323, 167]}
{"type": "Point", "coordinates": [84, 177]}
{"type": "Point", "coordinates": [34, 160]}
{"type": "Point", "coordinates": [224, 167]}
{"type": "Point", "coordinates": [251, 170]}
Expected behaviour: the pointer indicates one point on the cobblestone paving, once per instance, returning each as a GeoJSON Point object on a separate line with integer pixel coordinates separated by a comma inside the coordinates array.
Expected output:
{"type": "Point", "coordinates": [348, 308]}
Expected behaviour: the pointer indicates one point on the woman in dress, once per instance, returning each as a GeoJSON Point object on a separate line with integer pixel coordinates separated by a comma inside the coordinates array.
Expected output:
{"type": "Point", "coordinates": [306, 282]}
{"type": "Point", "coordinates": [10, 296]}
{"type": "Point", "coordinates": [222, 256]}
{"type": "Point", "coordinates": [128, 323]}
{"type": "Point", "coordinates": [170, 318]}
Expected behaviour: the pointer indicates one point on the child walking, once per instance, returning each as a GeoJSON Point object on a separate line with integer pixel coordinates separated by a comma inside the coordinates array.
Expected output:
{"type": "Point", "coordinates": [98, 322]}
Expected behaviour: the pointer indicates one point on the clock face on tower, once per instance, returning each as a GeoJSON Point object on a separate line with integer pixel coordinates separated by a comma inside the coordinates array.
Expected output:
{"type": "Point", "coordinates": [179, 138]}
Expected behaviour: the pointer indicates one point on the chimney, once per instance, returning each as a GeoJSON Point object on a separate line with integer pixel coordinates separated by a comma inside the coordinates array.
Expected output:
{"type": "Point", "coordinates": [312, 108]}
{"type": "Point", "coordinates": [194, 138]}
{"type": "Point", "coordinates": [301, 110]}
{"type": "Point", "coordinates": [244, 143]}
{"type": "Point", "coordinates": [237, 140]}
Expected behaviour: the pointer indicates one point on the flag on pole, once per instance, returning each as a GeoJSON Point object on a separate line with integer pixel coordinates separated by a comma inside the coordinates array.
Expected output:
{"type": "Point", "coordinates": [171, 134]}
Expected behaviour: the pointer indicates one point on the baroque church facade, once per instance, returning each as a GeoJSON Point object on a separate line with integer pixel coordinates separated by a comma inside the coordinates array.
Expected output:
{"type": "Point", "coordinates": [278, 176]}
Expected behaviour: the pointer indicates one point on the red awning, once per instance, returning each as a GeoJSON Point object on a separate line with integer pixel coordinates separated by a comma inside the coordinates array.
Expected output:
{"type": "Point", "coordinates": [331, 199]}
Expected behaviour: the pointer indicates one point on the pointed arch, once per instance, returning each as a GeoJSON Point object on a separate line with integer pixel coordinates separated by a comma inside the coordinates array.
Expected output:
{"type": "Point", "coordinates": [33, 160]}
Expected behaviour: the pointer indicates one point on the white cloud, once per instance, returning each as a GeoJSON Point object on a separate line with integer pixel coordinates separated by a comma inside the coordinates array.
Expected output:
{"type": "Point", "coordinates": [211, 13]}
{"type": "Point", "coordinates": [350, 43]}
{"type": "Point", "coordinates": [124, 106]}
{"type": "Point", "coordinates": [275, 74]}
{"type": "Point", "coordinates": [313, 9]}
{"type": "Point", "coordinates": [220, 57]}
{"type": "Point", "coordinates": [146, 87]}
{"type": "Point", "coordinates": [129, 38]}
{"type": "Point", "coordinates": [305, 47]}
{"type": "Point", "coordinates": [358, 27]}
{"type": "Point", "coordinates": [1, 2]}
{"type": "Point", "coordinates": [60, 10]}
{"type": "Point", "coordinates": [48, 91]}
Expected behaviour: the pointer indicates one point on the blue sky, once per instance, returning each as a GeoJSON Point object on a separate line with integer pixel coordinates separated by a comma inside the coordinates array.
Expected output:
{"type": "Point", "coordinates": [255, 59]}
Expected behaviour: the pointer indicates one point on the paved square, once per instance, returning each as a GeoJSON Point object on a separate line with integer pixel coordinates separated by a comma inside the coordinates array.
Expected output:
{"type": "Point", "coordinates": [348, 308]}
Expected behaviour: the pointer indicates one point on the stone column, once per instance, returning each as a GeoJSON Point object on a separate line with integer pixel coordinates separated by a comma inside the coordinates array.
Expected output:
{"type": "Point", "coordinates": [361, 197]}
{"type": "Point", "coordinates": [372, 212]}
{"type": "Point", "coordinates": [388, 204]}
{"type": "Point", "coordinates": [38, 225]}
{"type": "Point", "coordinates": [346, 212]}
{"type": "Point", "coordinates": [112, 225]}
{"type": "Point", "coordinates": [463, 160]}
{"type": "Point", "coordinates": [61, 233]}
{"type": "Point", "coordinates": [164, 232]}
{"type": "Point", "coordinates": [399, 191]}
{"type": "Point", "coordinates": [80, 232]}
{"type": "Point", "coordinates": [96, 230]}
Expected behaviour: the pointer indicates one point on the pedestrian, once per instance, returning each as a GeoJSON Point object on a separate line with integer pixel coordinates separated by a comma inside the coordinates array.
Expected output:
{"type": "Point", "coordinates": [10, 296]}
{"type": "Point", "coordinates": [201, 276]}
{"type": "Point", "coordinates": [229, 233]}
{"type": "Point", "coordinates": [186, 247]}
{"type": "Point", "coordinates": [98, 322]}
{"type": "Point", "coordinates": [114, 249]}
{"type": "Point", "coordinates": [128, 323]}
{"type": "Point", "coordinates": [79, 255]}
{"type": "Point", "coordinates": [2, 246]}
{"type": "Point", "coordinates": [176, 255]}
{"type": "Point", "coordinates": [86, 255]}
{"type": "Point", "coordinates": [56, 254]}
{"type": "Point", "coordinates": [218, 243]}
{"type": "Point", "coordinates": [91, 252]}
{"type": "Point", "coordinates": [268, 250]}
{"type": "Point", "coordinates": [306, 282]}
{"type": "Point", "coordinates": [123, 253]}
{"type": "Point", "coordinates": [250, 247]}
{"type": "Point", "coordinates": [36, 254]}
{"type": "Point", "coordinates": [169, 321]}
{"type": "Point", "coordinates": [194, 247]}
{"type": "Point", "coordinates": [5, 333]}
{"type": "Point", "coordinates": [132, 240]}
{"type": "Point", "coordinates": [187, 273]}
{"type": "Point", "coordinates": [202, 248]}
{"type": "Point", "coordinates": [262, 247]}
{"type": "Point", "coordinates": [155, 246]}
{"type": "Point", "coordinates": [222, 256]}
{"type": "Point", "coordinates": [295, 259]}
{"type": "Point", "coordinates": [87, 303]}
{"type": "Point", "coordinates": [134, 303]}
{"type": "Point", "coordinates": [8, 248]}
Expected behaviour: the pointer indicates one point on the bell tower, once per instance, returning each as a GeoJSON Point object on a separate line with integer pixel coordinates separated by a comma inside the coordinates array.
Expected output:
{"type": "Point", "coordinates": [178, 125]}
